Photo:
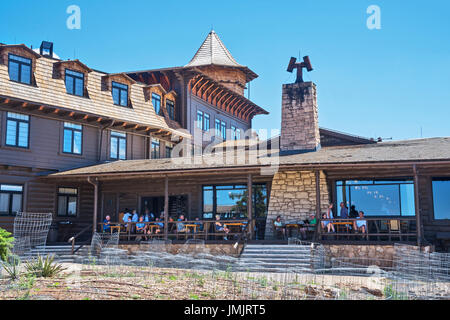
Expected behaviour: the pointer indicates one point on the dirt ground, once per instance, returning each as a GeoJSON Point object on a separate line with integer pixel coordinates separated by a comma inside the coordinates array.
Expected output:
{"type": "Point", "coordinates": [81, 282]}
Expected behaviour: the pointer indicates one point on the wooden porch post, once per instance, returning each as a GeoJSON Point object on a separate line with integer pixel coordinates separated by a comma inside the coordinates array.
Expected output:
{"type": "Point", "coordinates": [318, 206]}
{"type": "Point", "coordinates": [250, 205]}
{"type": "Point", "coordinates": [166, 208]}
{"type": "Point", "coordinates": [95, 213]}
{"type": "Point", "coordinates": [417, 206]}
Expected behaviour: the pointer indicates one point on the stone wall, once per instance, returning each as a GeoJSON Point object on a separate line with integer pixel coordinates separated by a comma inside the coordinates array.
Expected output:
{"type": "Point", "coordinates": [293, 196]}
{"type": "Point", "coordinates": [299, 117]}
{"type": "Point", "coordinates": [214, 249]}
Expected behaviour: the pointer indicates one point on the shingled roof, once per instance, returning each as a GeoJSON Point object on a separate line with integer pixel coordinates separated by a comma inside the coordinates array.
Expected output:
{"type": "Point", "coordinates": [213, 52]}
{"type": "Point", "coordinates": [418, 150]}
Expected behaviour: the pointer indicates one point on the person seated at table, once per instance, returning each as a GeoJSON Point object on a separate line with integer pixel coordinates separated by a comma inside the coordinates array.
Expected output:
{"type": "Point", "coordinates": [199, 224]}
{"type": "Point", "coordinates": [141, 227]}
{"type": "Point", "coordinates": [359, 224]}
{"type": "Point", "coordinates": [107, 224]}
{"type": "Point", "coordinates": [326, 224]}
{"type": "Point", "coordinates": [221, 227]}
{"type": "Point", "coordinates": [180, 226]}
{"type": "Point", "coordinates": [353, 212]}
{"type": "Point", "coordinates": [160, 226]}
{"type": "Point", "coordinates": [279, 227]}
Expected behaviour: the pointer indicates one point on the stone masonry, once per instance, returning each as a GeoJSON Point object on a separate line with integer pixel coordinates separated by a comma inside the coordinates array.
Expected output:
{"type": "Point", "coordinates": [299, 118]}
{"type": "Point", "coordinates": [293, 196]}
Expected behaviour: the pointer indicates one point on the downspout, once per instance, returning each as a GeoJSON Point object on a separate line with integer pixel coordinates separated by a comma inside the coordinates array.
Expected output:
{"type": "Point", "coordinates": [94, 182]}
{"type": "Point", "coordinates": [101, 139]}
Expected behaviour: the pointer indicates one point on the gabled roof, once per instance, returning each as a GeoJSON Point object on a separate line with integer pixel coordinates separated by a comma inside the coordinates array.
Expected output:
{"type": "Point", "coordinates": [213, 52]}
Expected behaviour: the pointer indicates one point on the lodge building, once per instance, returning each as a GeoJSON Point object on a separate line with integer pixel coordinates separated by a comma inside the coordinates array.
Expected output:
{"type": "Point", "coordinates": [83, 144]}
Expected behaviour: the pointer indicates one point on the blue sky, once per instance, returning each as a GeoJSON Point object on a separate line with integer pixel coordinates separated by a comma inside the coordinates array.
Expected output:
{"type": "Point", "coordinates": [393, 82]}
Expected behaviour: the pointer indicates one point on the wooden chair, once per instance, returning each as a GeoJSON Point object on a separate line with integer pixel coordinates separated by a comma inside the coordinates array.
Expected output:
{"type": "Point", "coordinates": [394, 228]}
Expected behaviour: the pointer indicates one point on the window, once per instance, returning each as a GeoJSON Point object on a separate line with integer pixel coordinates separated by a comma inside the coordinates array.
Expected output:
{"type": "Point", "coordinates": [155, 149]}
{"type": "Point", "coordinates": [441, 199]}
{"type": "Point", "coordinates": [233, 133]}
{"type": "Point", "coordinates": [170, 106]}
{"type": "Point", "coordinates": [230, 201]}
{"type": "Point", "coordinates": [17, 130]}
{"type": "Point", "coordinates": [120, 94]}
{"type": "Point", "coordinates": [238, 134]}
{"type": "Point", "coordinates": [169, 149]}
{"type": "Point", "coordinates": [10, 199]}
{"type": "Point", "coordinates": [217, 127]}
{"type": "Point", "coordinates": [224, 130]}
{"type": "Point", "coordinates": [156, 101]}
{"type": "Point", "coordinates": [206, 122]}
{"type": "Point", "coordinates": [19, 69]}
{"type": "Point", "coordinates": [73, 138]}
{"type": "Point", "coordinates": [200, 120]}
{"type": "Point", "coordinates": [118, 150]}
{"type": "Point", "coordinates": [74, 83]}
{"type": "Point", "coordinates": [67, 202]}
{"type": "Point", "coordinates": [377, 197]}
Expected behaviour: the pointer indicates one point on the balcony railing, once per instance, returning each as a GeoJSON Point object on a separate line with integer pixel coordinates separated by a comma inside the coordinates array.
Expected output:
{"type": "Point", "coordinates": [179, 230]}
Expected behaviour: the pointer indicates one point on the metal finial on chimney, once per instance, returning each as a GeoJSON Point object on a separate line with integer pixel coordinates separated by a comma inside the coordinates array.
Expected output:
{"type": "Point", "coordinates": [293, 64]}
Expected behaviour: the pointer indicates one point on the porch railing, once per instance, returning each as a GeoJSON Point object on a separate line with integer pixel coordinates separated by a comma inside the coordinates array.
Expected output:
{"type": "Point", "coordinates": [377, 229]}
{"type": "Point", "coordinates": [197, 229]}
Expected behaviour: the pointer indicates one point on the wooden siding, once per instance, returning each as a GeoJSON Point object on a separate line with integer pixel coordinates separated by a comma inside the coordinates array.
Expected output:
{"type": "Point", "coordinates": [49, 89]}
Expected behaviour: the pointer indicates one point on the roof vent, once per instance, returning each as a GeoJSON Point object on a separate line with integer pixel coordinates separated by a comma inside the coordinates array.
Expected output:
{"type": "Point", "coordinates": [46, 49]}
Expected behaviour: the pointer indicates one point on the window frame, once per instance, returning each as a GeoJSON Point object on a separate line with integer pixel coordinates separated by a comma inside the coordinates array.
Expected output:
{"type": "Point", "coordinates": [20, 63]}
{"type": "Point", "coordinates": [119, 136]}
{"type": "Point", "coordinates": [74, 77]}
{"type": "Point", "coordinates": [11, 193]}
{"type": "Point", "coordinates": [170, 107]}
{"type": "Point", "coordinates": [217, 128]}
{"type": "Point", "coordinates": [72, 130]}
{"type": "Point", "coordinates": [156, 97]}
{"type": "Point", "coordinates": [120, 87]}
{"type": "Point", "coordinates": [16, 145]}
{"type": "Point", "coordinates": [200, 122]}
{"type": "Point", "coordinates": [438, 220]}
{"type": "Point", "coordinates": [206, 120]}
{"type": "Point", "coordinates": [155, 142]}
{"type": "Point", "coordinates": [223, 130]}
{"type": "Point", "coordinates": [67, 196]}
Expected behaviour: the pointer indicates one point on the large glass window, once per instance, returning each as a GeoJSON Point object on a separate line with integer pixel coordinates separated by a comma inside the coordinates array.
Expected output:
{"type": "Point", "coordinates": [118, 150]}
{"type": "Point", "coordinates": [230, 201]}
{"type": "Point", "coordinates": [17, 130]}
{"type": "Point", "coordinates": [120, 94]}
{"type": "Point", "coordinates": [217, 127]}
{"type": "Point", "coordinates": [170, 106]}
{"type": "Point", "coordinates": [441, 198]}
{"type": "Point", "coordinates": [169, 148]}
{"type": "Point", "coordinates": [67, 201]}
{"type": "Point", "coordinates": [156, 101]}
{"type": "Point", "coordinates": [377, 197]}
{"type": "Point", "coordinates": [200, 120]}
{"type": "Point", "coordinates": [233, 133]}
{"type": "Point", "coordinates": [10, 199]}
{"type": "Point", "coordinates": [155, 149]}
{"type": "Point", "coordinates": [73, 138]}
{"type": "Point", "coordinates": [74, 82]}
{"type": "Point", "coordinates": [19, 69]}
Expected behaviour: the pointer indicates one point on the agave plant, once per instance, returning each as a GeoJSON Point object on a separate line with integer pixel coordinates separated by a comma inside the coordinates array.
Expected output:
{"type": "Point", "coordinates": [12, 267]}
{"type": "Point", "coordinates": [45, 268]}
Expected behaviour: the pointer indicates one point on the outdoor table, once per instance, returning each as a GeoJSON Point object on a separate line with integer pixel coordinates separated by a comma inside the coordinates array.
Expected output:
{"type": "Point", "coordinates": [235, 224]}
{"type": "Point", "coordinates": [152, 227]}
{"type": "Point", "coordinates": [194, 226]}
{"type": "Point", "coordinates": [115, 228]}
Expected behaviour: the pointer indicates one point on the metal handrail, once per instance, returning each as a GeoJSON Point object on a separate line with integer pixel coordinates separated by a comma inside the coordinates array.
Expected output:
{"type": "Point", "coordinates": [72, 239]}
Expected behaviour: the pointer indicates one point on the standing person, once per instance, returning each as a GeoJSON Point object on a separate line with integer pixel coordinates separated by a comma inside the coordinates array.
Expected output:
{"type": "Point", "coordinates": [135, 219]}
{"type": "Point", "coordinates": [344, 211]}
{"type": "Point", "coordinates": [126, 216]}
{"type": "Point", "coordinates": [353, 212]}
{"type": "Point", "coordinates": [148, 216]}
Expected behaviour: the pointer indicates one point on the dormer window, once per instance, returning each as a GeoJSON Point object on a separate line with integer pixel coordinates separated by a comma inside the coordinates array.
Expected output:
{"type": "Point", "coordinates": [156, 101]}
{"type": "Point", "coordinates": [19, 69]}
{"type": "Point", "coordinates": [120, 94]}
{"type": "Point", "coordinates": [74, 82]}
{"type": "Point", "coordinates": [170, 106]}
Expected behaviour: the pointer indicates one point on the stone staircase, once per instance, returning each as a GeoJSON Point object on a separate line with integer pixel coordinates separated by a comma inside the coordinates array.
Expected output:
{"type": "Point", "coordinates": [277, 258]}
{"type": "Point", "coordinates": [62, 253]}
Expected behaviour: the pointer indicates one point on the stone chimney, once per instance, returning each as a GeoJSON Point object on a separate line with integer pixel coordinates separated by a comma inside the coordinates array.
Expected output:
{"type": "Point", "coordinates": [299, 118]}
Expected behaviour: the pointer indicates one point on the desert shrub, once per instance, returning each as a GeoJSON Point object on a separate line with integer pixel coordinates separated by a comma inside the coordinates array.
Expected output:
{"type": "Point", "coordinates": [45, 268]}
{"type": "Point", "coordinates": [5, 244]}
{"type": "Point", "coordinates": [12, 267]}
